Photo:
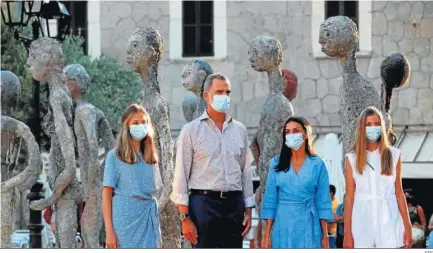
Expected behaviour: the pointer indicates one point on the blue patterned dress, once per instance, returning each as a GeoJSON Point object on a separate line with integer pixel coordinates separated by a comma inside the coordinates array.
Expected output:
{"type": "Point", "coordinates": [134, 211]}
{"type": "Point", "coordinates": [296, 202]}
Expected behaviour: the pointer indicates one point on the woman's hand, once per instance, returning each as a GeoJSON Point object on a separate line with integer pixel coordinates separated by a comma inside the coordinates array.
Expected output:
{"type": "Point", "coordinates": [348, 241]}
{"type": "Point", "coordinates": [408, 238]}
{"type": "Point", "coordinates": [189, 231]}
{"type": "Point", "coordinates": [111, 241]}
{"type": "Point", "coordinates": [325, 242]}
{"type": "Point", "coordinates": [266, 241]}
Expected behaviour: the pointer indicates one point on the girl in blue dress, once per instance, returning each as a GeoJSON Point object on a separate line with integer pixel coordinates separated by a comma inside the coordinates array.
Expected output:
{"type": "Point", "coordinates": [131, 183]}
{"type": "Point", "coordinates": [297, 202]}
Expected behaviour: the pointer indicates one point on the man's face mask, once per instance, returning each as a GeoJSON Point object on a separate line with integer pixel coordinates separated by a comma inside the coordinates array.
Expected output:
{"type": "Point", "coordinates": [221, 103]}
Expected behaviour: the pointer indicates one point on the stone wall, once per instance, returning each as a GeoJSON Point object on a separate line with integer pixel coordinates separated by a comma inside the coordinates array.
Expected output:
{"type": "Point", "coordinates": [405, 27]}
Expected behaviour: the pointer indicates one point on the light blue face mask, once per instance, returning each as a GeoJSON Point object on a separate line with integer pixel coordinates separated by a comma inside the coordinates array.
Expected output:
{"type": "Point", "coordinates": [294, 141]}
{"type": "Point", "coordinates": [221, 103]}
{"type": "Point", "coordinates": [373, 133]}
{"type": "Point", "coordinates": [139, 131]}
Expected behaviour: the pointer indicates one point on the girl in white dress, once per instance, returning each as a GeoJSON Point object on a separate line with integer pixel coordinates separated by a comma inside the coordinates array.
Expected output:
{"type": "Point", "coordinates": [375, 209]}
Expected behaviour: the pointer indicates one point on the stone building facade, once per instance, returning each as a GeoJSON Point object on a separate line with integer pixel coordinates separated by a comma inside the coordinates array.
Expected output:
{"type": "Point", "coordinates": [385, 27]}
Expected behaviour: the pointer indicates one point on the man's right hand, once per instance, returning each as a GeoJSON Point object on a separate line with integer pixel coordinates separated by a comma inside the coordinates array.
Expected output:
{"type": "Point", "coordinates": [189, 231]}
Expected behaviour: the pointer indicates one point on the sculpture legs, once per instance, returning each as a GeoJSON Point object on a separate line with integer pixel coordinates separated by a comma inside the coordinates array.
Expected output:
{"type": "Point", "coordinates": [66, 222]}
{"type": "Point", "coordinates": [169, 223]}
{"type": "Point", "coordinates": [8, 207]}
{"type": "Point", "coordinates": [91, 223]}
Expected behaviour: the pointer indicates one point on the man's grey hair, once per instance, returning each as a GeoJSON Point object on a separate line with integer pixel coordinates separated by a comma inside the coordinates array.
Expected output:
{"type": "Point", "coordinates": [209, 80]}
{"type": "Point", "coordinates": [78, 73]}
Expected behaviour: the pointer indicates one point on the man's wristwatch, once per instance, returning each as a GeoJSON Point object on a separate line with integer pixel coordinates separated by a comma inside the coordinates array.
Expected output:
{"type": "Point", "coordinates": [183, 216]}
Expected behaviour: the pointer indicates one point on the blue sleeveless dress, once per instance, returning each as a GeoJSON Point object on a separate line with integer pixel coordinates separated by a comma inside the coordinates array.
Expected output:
{"type": "Point", "coordinates": [134, 211]}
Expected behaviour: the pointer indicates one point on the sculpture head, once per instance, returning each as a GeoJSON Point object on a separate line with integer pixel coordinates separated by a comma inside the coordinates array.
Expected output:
{"type": "Point", "coordinates": [145, 47]}
{"type": "Point", "coordinates": [193, 75]}
{"type": "Point", "coordinates": [395, 71]}
{"type": "Point", "coordinates": [10, 92]}
{"type": "Point", "coordinates": [77, 80]}
{"type": "Point", "coordinates": [291, 84]}
{"type": "Point", "coordinates": [339, 37]}
{"type": "Point", "coordinates": [265, 54]}
{"type": "Point", "coordinates": [45, 55]}
{"type": "Point", "coordinates": [216, 92]}
{"type": "Point", "coordinates": [136, 128]}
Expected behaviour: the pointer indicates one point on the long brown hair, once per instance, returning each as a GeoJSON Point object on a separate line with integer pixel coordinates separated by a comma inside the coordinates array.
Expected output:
{"type": "Point", "coordinates": [360, 145]}
{"type": "Point", "coordinates": [286, 152]}
{"type": "Point", "coordinates": [124, 147]}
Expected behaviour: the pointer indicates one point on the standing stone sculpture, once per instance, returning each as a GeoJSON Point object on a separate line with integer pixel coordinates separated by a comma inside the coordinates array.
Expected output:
{"type": "Point", "coordinates": [193, 75]}
{"type": "Point", "coordinates": [339, 39]}
{"type": "Point", "coordinates": [15, 135]}
{"type": "Point", "coordinates": [144, 51]}
{"type": "Point", "coordinates": [395, 73]}
{"type": "Point", "coordinates": [90, 125]}
{"type": "Point", "coordinates": [46, 61]}
{"type": "Point", "coordinates": [289, 91]}
{"type": "Point", "coordinates": [265, 55]}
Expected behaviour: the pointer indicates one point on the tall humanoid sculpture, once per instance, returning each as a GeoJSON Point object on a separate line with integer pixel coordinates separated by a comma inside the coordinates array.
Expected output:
{"type": "Point", "coordinates": [265, 55]}
{"type": "Point", "coordinates": [14, 136]}
{"type": "Point", "coordinates": [144, 51]}
{"type": "Point", "coordinates": [46, 61]}
{"type": "Point", "coordinates": [90, 125]}
{"type": "Point", "coordinates": [193, 75]}
{"type": "Point", "coordinates": [395, 73]}
{"type": "Point", "coordinates": [339, 39]}
{"type": "Point", "coordinates": [289, 91]}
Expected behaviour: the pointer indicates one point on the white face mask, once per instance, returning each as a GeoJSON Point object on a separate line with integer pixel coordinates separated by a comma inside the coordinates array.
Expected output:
{"type": "Point", "coordinates": [221, 103]}
{"type": "Point", "coordinates": [294, 141]}
{"type": "Point", "coordinates": [139, 131]}
{"type": "Point", "coordinates": [373, 133]}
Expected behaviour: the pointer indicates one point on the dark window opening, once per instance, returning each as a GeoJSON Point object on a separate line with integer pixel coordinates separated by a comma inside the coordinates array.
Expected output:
{"type": "Point", "coordinates": [343, 8]}
{"type": "Point", "coordinates": [78, 25]}
{"type": "Point", "coordinates": [197, 28]}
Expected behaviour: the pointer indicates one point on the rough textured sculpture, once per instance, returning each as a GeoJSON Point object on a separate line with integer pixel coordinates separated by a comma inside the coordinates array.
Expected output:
{"type": "Point", "coordinates": [144, 51]}
{"type": "Point", "coordinates": [395, 73]}
{"type": "Point", "coordinates": [290, 84]}
{"type": "Point", "coordinates": [193, 75]}
{"type": "Point", "coordinates": [90, 125]}
{"type": "Point", "coordinates": [265, 55]}
{"type": "Point", "coordinates": [46, 61]}
{"type": "Point", "coordinates": [339, 39]}
{"type": "Point", "coordinates": [15, 135]}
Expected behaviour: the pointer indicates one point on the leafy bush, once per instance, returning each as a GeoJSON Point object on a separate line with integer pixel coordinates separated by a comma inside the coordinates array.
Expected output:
{"type": "Point", "coordinates": [113, 86]}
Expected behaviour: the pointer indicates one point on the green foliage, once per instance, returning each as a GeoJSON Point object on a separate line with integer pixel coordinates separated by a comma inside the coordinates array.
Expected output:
{"type": "Point", "coordinates": [113, 86]}
{"type": "Point", "coordinates": [14, 58]}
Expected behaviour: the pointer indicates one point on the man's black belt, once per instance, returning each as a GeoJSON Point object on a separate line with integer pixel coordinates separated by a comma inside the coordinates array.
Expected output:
{"type": "Point", "coordinates": [217, 194]}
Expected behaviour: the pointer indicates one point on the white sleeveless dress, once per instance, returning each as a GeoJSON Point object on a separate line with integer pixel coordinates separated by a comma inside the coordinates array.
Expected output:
{"type": "Point", "coordinates": [376, 220]}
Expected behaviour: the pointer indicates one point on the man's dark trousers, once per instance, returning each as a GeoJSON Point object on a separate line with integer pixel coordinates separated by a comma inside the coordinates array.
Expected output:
{"type": "Point", "coordinates": [218, 220]}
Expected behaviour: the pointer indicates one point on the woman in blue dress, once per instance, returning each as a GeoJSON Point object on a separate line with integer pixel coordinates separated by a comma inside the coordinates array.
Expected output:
{"type": "Point", "coordinates": [297, 202]}
{"type": "Point", "coordinates": [131, 180]}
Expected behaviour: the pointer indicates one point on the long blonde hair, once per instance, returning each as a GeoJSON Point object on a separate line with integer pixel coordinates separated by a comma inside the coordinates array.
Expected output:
{"type": "Point", "coordinates": [360, 145]}
{"type": "Point", "coordinates": [124, 147]}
